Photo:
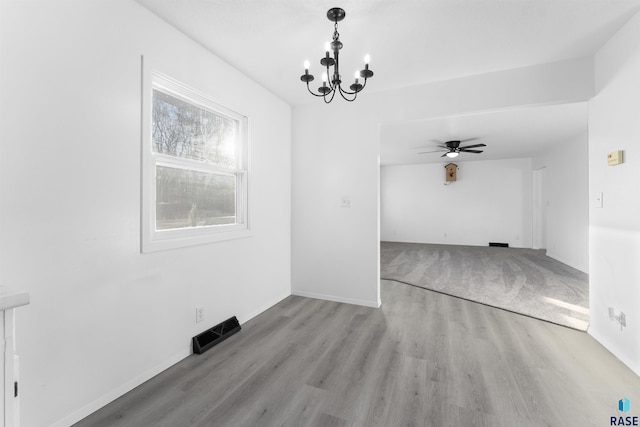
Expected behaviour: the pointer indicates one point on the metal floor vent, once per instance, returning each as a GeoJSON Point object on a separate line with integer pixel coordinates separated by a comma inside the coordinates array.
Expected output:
{"type": "Point", "coordinates": [207, 339]}
{"type": "Point", "coordinates": [499, 245]}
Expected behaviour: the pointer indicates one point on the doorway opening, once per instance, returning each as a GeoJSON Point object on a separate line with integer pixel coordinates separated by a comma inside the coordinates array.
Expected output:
{"type": "Point", "coordinates": [540, 204]}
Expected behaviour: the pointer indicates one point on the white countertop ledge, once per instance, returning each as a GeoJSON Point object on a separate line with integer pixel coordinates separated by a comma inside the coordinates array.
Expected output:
{"type": "Point", "coordinates": [11, 298]}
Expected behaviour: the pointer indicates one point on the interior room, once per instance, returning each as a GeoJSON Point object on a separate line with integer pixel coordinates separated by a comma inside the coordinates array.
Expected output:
{"type": "Point", "coordinates": [525, 188]}
{"type": "Point", "coordinates": [99, 303]}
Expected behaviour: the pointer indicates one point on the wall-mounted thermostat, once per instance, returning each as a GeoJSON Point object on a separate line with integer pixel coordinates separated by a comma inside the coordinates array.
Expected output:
{"type": "Point", "coordinates": [614, 158]}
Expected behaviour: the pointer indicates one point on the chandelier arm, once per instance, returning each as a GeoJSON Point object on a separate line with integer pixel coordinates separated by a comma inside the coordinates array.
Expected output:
{"type": "Point", "coordinates": [333, 93]}
{"type": "Point", "coordinates": [330, 78]}
{"type": "Point", "coordinates": [363, 85]}
{"type": "Point", "coordinates": [348, 92]}
{"type": "Point", "coordinates": [336, 68]}
{"type": "Point", "coordinates": [312, 93]}
{"type": "Point", "coordinates": [343, 93]}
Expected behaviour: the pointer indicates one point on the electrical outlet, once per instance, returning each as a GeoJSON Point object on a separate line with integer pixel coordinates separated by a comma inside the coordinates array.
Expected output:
{"type": "Point", "coordinates": [620, 318]}
{"type": "Point", "coordinates": [199, 314]}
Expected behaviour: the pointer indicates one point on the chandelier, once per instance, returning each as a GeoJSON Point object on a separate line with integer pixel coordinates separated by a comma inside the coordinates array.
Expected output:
{"type": "Point", "coordinates": [332, 85]}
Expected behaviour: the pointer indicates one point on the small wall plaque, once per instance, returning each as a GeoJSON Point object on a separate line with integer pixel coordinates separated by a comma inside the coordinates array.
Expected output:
{"type": "Point", "coordinates": [451, 172]}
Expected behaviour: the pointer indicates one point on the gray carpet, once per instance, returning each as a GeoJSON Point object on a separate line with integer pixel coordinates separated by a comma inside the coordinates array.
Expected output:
{"type": "Point", "coordinates": [524, 281]}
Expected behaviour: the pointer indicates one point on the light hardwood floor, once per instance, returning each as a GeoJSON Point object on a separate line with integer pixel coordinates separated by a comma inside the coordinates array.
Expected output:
{"type": "Point", "coordinates": [422, 359]}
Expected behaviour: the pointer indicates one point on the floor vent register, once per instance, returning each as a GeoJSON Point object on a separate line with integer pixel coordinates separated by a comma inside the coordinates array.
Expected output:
{"type": "Point", "coordinates": [207, 339]}
{"type": "Point", "coordinates": [499, 245]}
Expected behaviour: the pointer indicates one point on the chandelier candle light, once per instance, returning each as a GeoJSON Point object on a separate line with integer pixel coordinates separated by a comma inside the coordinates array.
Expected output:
{"type": "Point", "coordinates": [333, 85]}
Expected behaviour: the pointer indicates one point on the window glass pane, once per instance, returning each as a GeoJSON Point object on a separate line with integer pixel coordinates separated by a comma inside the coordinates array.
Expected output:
{"type": "Point", "coordinates": [184, 130]}
{"type": "Point", "coordinates": [187, 198]}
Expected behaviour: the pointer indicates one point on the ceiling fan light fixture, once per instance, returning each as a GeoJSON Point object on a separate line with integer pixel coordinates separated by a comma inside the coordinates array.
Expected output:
{"type": "Point", "coordinates": [452, 154]}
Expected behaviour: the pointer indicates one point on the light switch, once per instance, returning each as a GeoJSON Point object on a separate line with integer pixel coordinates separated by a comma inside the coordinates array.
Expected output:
{"type": "Point", "coordinates": [596, 199]}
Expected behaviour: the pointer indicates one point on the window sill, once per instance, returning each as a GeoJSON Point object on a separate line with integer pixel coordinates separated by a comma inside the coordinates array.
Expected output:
{"type": "Point", "coordinates": [150, 245]}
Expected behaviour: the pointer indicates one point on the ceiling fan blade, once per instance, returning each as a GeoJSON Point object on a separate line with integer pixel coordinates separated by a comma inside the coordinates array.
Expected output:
{"type": "Point", "coordinates": [429, 152]}
{"type": "Point", "coordinates": [444, 154]}
{"type": "Point", "coordinates": [430, 147]}
{"type": "Point", "coordinates": [469, 151]}
{"type": "Point", "coordinates": [474, 146]}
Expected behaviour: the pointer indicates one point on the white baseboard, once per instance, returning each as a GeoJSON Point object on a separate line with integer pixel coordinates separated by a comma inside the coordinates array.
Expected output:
{"type": "Point", "coordinates": [374, 304]}
{"type": "Point", "coordinates": [631, 364]}
{"type": "Point", "coordinates": [107, 398]}
{"type": "Point", "coordinates": [263, 308]}
{"type": "Point", "coordinates": [147, 375]}
{"type": "Point", "coordinates": [553, 255]}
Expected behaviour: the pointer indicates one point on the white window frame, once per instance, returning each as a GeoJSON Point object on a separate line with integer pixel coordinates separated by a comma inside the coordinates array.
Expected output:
{"type": "Point", "coordinates": [155, 240]}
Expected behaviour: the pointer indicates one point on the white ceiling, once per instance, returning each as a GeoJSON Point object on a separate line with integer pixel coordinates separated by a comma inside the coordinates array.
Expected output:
{"type": "Point", "coordinates": [508, 134]}
{"type": "Point", "coordinates": [410, 42]}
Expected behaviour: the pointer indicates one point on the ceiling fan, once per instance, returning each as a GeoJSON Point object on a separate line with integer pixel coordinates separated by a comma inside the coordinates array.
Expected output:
{"type": "Point", "coordinates": [453, 148]}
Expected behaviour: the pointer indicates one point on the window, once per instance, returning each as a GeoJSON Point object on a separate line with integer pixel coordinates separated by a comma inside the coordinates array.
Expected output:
{"type": "Point", "coordinates": [194, 168]}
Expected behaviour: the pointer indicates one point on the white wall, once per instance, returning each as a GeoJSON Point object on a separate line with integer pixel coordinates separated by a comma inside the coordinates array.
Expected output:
{"type": "Point", "coordinates": [614, 229]}
{"type": "Point", "coordinates": [104, 317]}
{"type": "Point", "coordinates": [489, 202]}
{"type": "Point", "coordinates": [567, 201]}
{"type": "Point", "coordinates": [335, 249]}
{"type": "Point", "coordinates": [335, 154]}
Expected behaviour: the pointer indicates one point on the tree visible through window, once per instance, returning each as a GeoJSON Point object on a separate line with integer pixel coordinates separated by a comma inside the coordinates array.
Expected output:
{"type": "Point", "coordinates": [184, 130]}
{"type": "Point", "coordinates": [187, 198]}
